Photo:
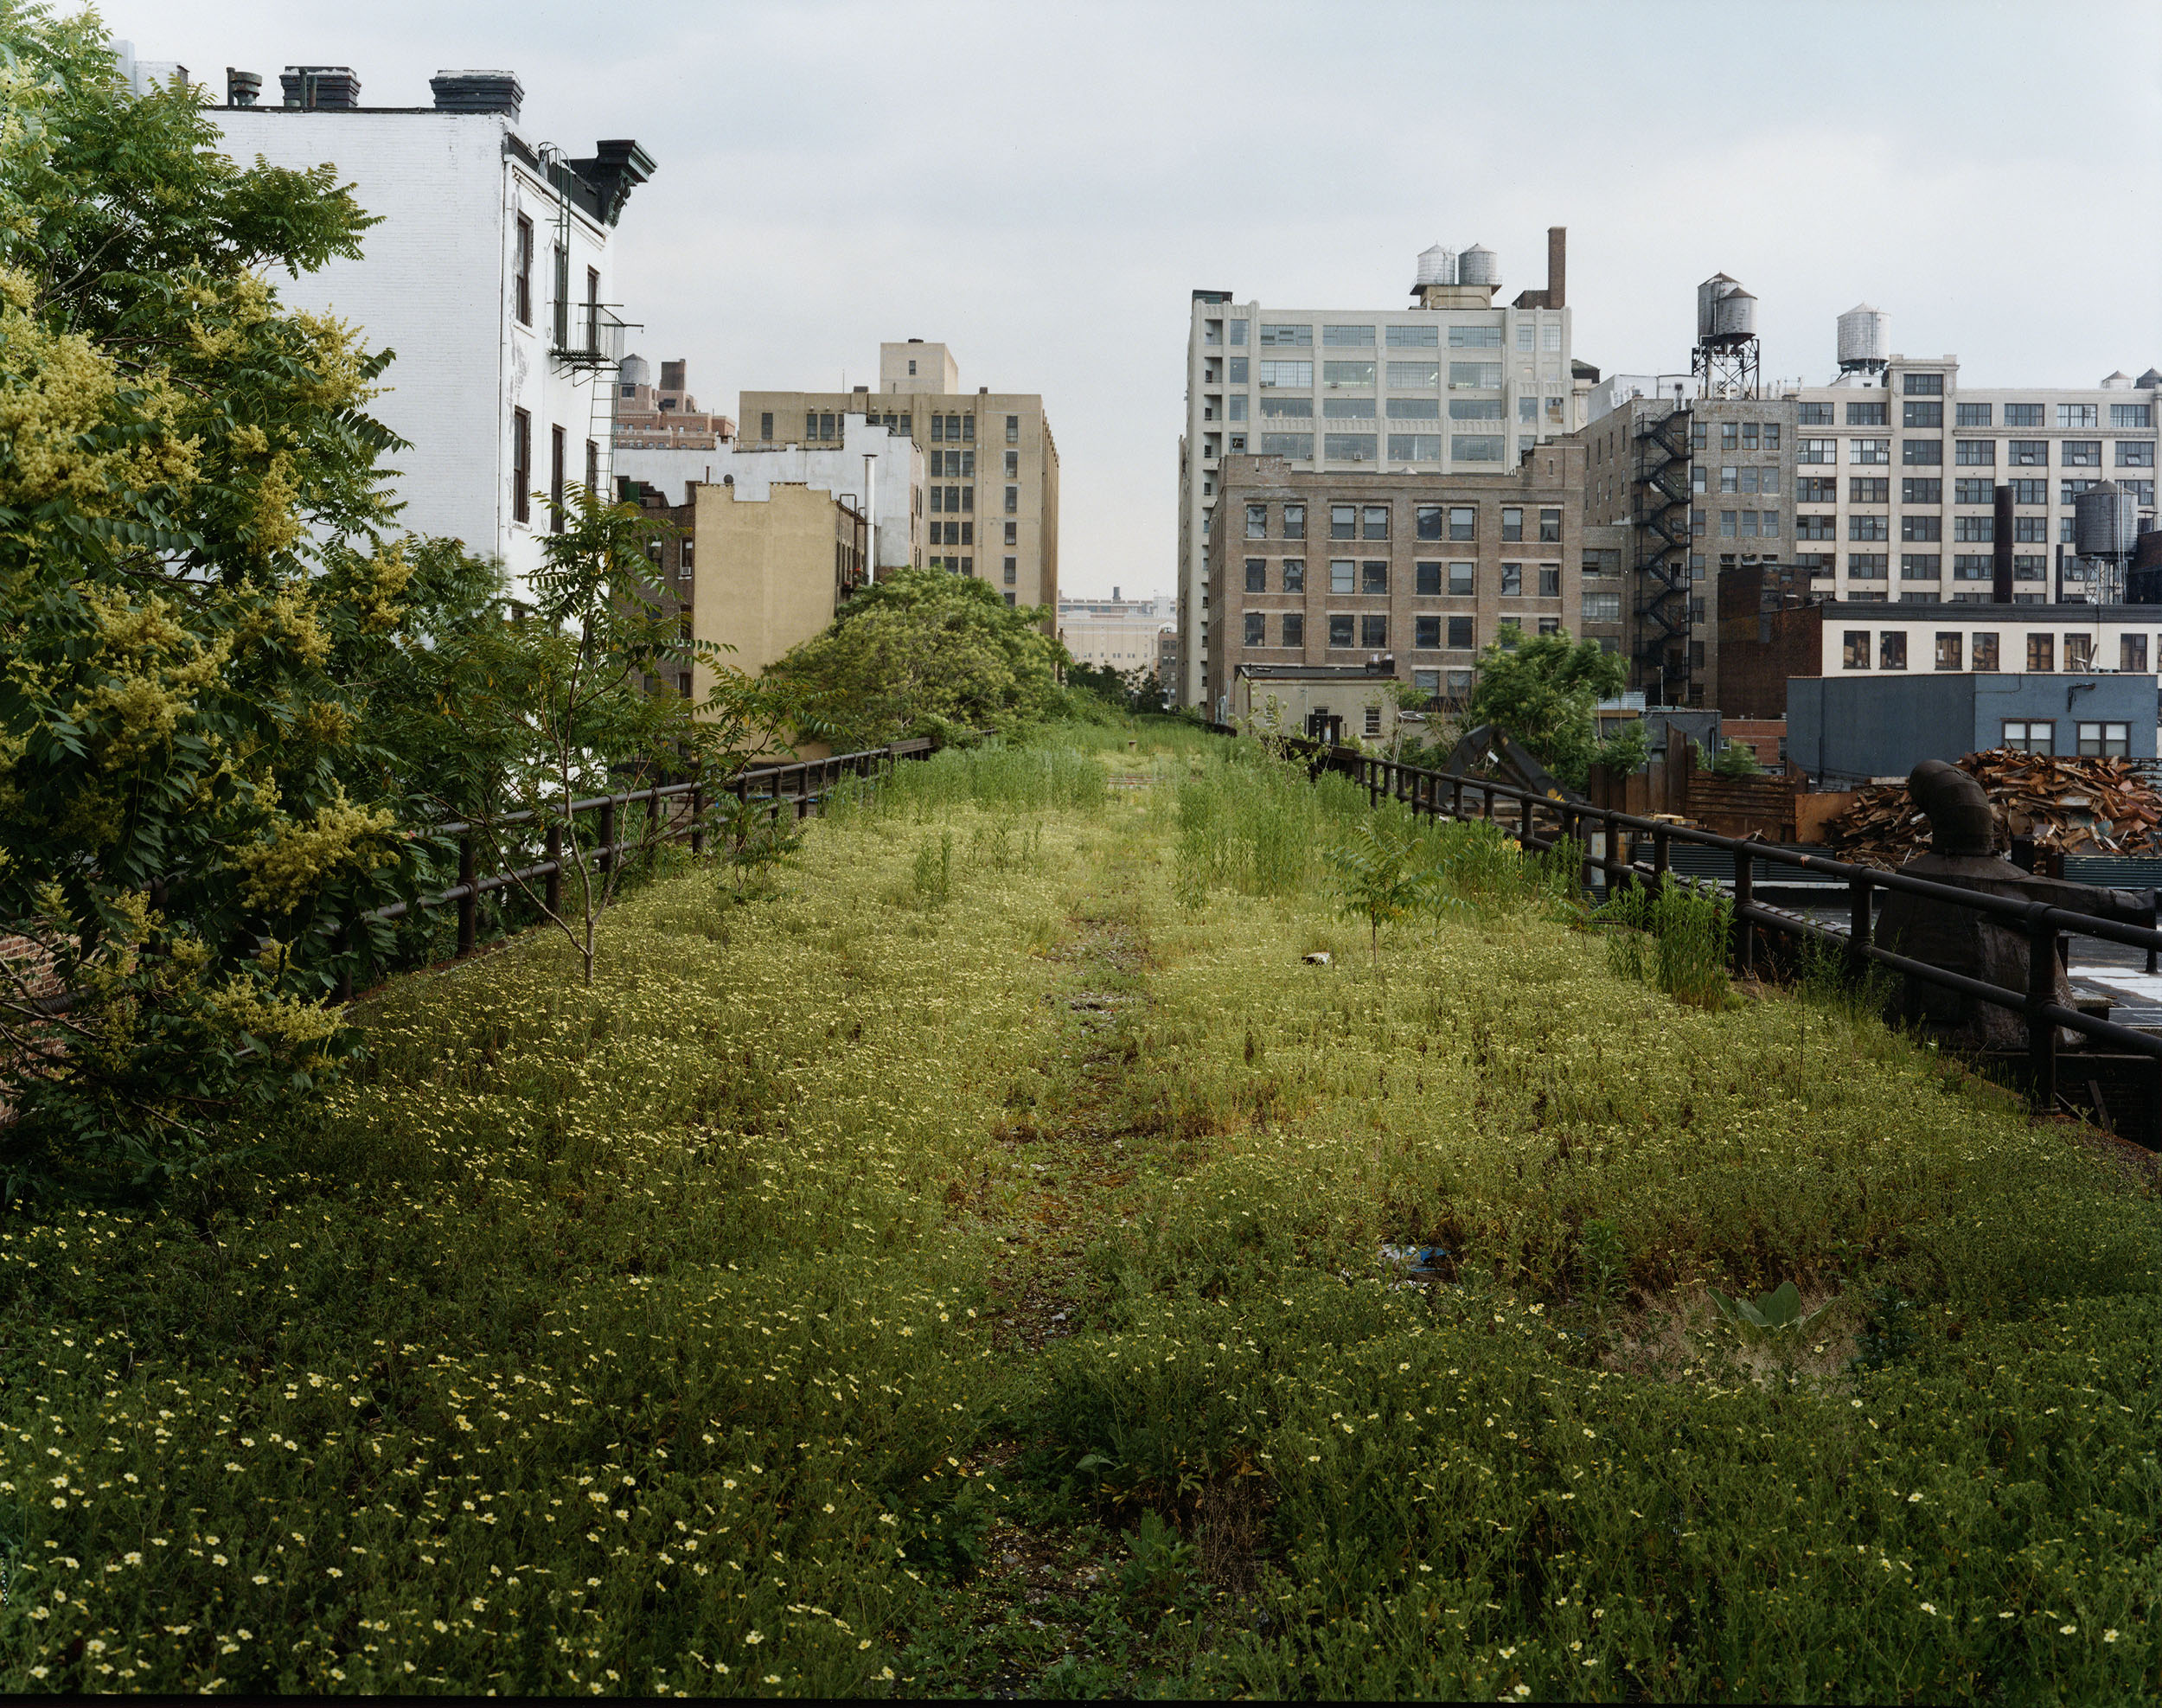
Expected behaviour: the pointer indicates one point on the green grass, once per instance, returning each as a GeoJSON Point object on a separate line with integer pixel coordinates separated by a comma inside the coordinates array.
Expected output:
{"type": "Point", "coordinates": [860, 1293]}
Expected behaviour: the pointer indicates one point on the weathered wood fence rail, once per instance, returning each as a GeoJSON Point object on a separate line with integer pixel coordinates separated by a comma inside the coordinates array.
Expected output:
{"type": "Point", "coordinates": [1539, 822]}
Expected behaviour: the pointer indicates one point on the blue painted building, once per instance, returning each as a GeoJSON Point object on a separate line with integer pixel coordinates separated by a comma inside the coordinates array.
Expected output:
{"type": "Point", "coordinates": [1844, 728]}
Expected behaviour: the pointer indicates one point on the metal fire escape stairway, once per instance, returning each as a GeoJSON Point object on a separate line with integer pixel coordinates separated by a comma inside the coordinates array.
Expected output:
{"type": "Point", "coordinates": [591, 344]}
{"type": "Point", "coordinates": [1662, 455]}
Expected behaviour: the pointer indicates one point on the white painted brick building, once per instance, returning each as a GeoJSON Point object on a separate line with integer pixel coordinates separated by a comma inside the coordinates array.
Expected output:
{"type": "Point", "coordinates": [489, 276]}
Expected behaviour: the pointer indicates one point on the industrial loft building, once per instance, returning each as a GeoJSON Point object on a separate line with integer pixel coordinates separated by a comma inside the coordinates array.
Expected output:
{"type": "Point", "coordinates": [489, 275]}
{"type": "Point", "coordinates": [991, 466]}
{"type": "Point", "coordinates": [1455, 384]}
{"type": "Point", "coordinates": [1881, 486]}
{"type": "Point", "coordinates": [1341, 569]}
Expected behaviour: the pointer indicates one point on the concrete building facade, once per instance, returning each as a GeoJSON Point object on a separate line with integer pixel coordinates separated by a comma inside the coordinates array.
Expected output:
{"type": "Point", "coordinates": [770, 570]}
{"type": "Point", "coordinates": [1458, 383]}
{"type": "Point", "coordinates": [991, 475]}
{"type": "Point", "coordinates": [1119, 633]}
{"type": "Point", "coordinates": [893, 463]}
{"type": "Point", "coordinates": [491, 275]}
{"type": "Point", "coordinates": [1339, 567]}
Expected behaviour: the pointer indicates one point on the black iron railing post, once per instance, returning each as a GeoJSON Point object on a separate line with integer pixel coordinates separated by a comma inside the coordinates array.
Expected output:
{"type": "Point", "coordinates": [552, 890]}
{"type": "Point", "coordinates": [698, 818]}
{"type": "Point", "coordinates": [468, 899]}
{"type": "Point", "coordinates": [1524, 835]}
{"type": "Point", "coordinates": [1745, 899]}
{"type": "Point", "coordinates": [1860, 926]}
{"type": "Point", "coordinates": [607, 856]}
{"type": "Point", "coordinates": [1659, 860]}
{"type": "Point", "coordinates": [2041, 1030]}
{"type": "Point", "coordinates": [1457, 798]}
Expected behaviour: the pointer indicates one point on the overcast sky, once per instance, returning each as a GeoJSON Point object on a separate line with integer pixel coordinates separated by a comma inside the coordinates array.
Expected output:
{"type": "Point", "coordinates": [1042, 188]}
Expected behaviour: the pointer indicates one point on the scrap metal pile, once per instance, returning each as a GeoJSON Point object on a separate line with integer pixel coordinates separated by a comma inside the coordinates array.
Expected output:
{"type": "Point", "coordinates": [2069, 805]}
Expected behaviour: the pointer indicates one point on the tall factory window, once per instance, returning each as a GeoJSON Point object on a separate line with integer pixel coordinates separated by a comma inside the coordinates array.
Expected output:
{"type": "Point", "coordinates": [1854, 649]}
{"type": "Point", "coordinates": [2042, 652]}
{"type": "Point", "coordinates": [522, 272]}
{"type": "Point", "coordinates": [1891, 649]}
{"type": "Point", "coordinates": [1950, 646]}
{"type": "Point", "coordinates": [1924, 384]}
{"type": "Point", "coordinates": [520, 465]}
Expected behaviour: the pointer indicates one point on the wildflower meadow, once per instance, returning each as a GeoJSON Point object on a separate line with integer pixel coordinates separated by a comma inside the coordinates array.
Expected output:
{"type": "Point", "coordinates": [1051, 1240]}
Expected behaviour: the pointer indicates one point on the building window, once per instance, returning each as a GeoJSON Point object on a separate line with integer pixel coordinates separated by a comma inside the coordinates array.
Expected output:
{"type": "Point", "coordinates": [2078, 415]}
{"type": "Point", "coordinates": [1339, 629]}
{"type": "Point", "coordinates": [765, 425]}
{"type": "Point", "coordinates": [1919, 566]}
{"type": "Point", "coordinates": [2131, 415]}
{"type": "Point", "coordinates": [1854, 649]}
{"type": "Point", "coordinates": [1865, 415]}
{"type": "Point", "coordinates": [1460, 634]}
{"type": "Point", "coordinates": [1373, 631]}
{"type": "Point", "coordinates": [1343, 576]}
{"type": "Point", "coordinates": [1813, 415]}
{"type": "Point", "coordinates": [1603, 607]}
{"type": "Point", "coordinates": [1949, 648]}
{"type": "Point", "coordinates": [1474, 337]}
{"type": "Point", "coordinates": [1511, 523]}
{"type": "Point", "coordinates": [1550, 527]}
{"type": "Point", "coordinates": [1512, 580]}
{"type": "Point", "coordinates": [1013, 498]}
{"type": "Point", "coordinates": [1923, 528]}
{"type": "Point", "coordinates": [1428, 579]}
{"type": "Point", "coordinates": [2029, 492]}
{"type": "Point", "coordinates": [521, 274]}
{"type": "Point", "coordinates": [520, 465]}
{"type": "Point", "coordinates": [1343, 522]}
{"type": "Point", "coordinates": [1985, 645]}
{"type": "Point", "coordinates": [1373, 523]}
{"type": "Point", "coordinates": [2042, 652]}
{"type": "Point", "coordinates": [2105, 740]}
{"type": "Point", "coordinates": [1294, 572]}
{"type": "Point", "coordinates": [1868, 451]}
{"type": "Point", "coordinates": [592, 480]}
{"type": "Point", "coordinates": [1924, 452]}
{"type": "Point", "coordinates": [2030, 735]}
{"type": "Point", "coordinates": [1415, 376]}
{"type": "Point", "coordinates": [1426, 632]}
{"type": "Point", "coordinates": [1817, 450]}
{"type": "Point", "coordinates": [1858, 527]}
{"type": "Point", "coordinates": [1347, 337]}
{"type": "Point", "coordinates": [562, 303]}
{"type": "Point", "coordinates": [1550, 581]}
{"type": "Point", "coordinates": [1817, 490]}
{"type": "Point", "coordinates": [558, 453]}
{"type": "Point", "coordinates": [1256, 629]}
{"type": "Point", "coordinates": [1891, 649]}
{"type": "Point", "coordinates": [2023, 415]}
{"type": "Point", "coordinates": [1013, 422]}
{"type": "Point", "coordinates": [1868, 566]}
{"type": "Point", "coordinates": [1974, 453]}
{"type": "Point", "coordinates": [1256, 575]}
{"type": "Point", "coordinates": [1975, 530]}
{"type": "Point", "coordinates": [2132, 653]}
{"type": "Point", "coordinates": [1464, 521]}
{"type": "Point", "coordinates": [1413, 337]}
{"type": "Point", "coordinates": [1921, 489]}
{"type": "Point", "coordinates": [2135, 453]}
{"type": "Point", "coordinates": [2079, 652]}
{"type": "Point", "coordinates": [1257, 521]}
{"type": "Point", "coordinates": [1973, 492]}
{"type": "Point", "coordinates": [1293, 336]}
{"type": "Point", "coordinates": [1973, 415]}
{"type": "Point", "coordinates": [1294, 628]}
{"type": "Point", "coordinates": [2028, 453]}
{"type": "Point", "coordinates": [1924, 384]}
{"type": "Point", "coordinates": [2082, 453]}
{"type": "Point", "coordinates": [1374, 721]}
{"type": "Point", "coordinates": [1463, 580]}
{"type": "Point", "coordinates": [1374, 575]}
{"type": "Point", "coordinates": [1730, 436]}
{"type": "Point", "coordinates": [1922, 415]}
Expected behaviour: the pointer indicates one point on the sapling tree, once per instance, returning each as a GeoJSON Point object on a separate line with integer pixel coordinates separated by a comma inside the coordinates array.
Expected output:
{"type": "Point", "coordinates": [1380, 877]}
{"type": "Point", "coordinates": [573, 699]}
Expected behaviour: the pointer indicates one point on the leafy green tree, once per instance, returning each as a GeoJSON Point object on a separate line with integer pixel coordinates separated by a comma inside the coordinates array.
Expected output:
{"type": "Point", "coordinates": [574, 701]}
{"type": "Point", "coordinates": [921, 652]}
{"type": "Point", "coordinates": [178, 840]}
{"type": "Point", "coordinates": [1380, 876]}
{"type": "Point", "coordinates": [1737, 759]}
{"type": "Point", "coordinates": [1543, 692]}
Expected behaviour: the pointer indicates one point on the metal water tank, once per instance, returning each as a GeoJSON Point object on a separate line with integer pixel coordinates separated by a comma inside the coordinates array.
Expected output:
{"type": "Point", "coordinates": [1437, 266]}
{"type": "Point", "coordinates": [635, 371]}
{"type": "Point", "coordinates": [1479, 266]}
{"type": "Point", "coordinates": [1865, 338]}
{"type": "Point", "coordinates": [2106, 521]}
{"type": "Point", "coordinates": [2119, 381]}
{"type": "Point", "coordinates": [1734, 317]}
{"type": "Point", "coordinates": [1707, 294]}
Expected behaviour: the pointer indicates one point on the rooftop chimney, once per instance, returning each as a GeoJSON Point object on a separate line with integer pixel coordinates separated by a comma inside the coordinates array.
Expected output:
{"type": "Point", "coordinates": [672, 376]}
{"type": "Point", "coordinates": [242, 88]}
{"type": "Point", "coordinates": [329, 89]}
{"type": "Point", "coordinates": [478, 92]}
{"type": "Point", "coordinates": [1556, 267]}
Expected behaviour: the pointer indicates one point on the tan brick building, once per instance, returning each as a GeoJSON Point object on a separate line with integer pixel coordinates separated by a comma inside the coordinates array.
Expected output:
{"type": "Point", "coordinates": [1336, 568]}
{"type": "Point", "coordinates": [991, 467]}
{"type": "Point", "coordinates": [770, 572]}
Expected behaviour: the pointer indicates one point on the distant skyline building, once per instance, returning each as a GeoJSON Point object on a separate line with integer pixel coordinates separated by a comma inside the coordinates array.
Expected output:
{"type": "Point", "coordinates": [666, 416]}
{"type": "Point", "coordinates": [1455, 383]}
{"type": "Point", "coordinates": [991, 466]}
{"type": "Point", "coordinates": [1120, 633]}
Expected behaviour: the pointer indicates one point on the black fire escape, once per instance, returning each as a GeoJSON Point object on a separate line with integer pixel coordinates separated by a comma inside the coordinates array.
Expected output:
{"type": "Point", "coordinates": [1662, 555]}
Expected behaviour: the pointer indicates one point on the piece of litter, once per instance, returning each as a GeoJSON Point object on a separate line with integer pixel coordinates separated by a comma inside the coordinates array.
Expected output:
{"type": "Point", "coordinates": [1317, 958]}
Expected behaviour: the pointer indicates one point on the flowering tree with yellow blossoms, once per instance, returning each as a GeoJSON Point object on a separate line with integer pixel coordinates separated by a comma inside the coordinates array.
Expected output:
{"type": "Point", "coordinates": [192, 520]}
